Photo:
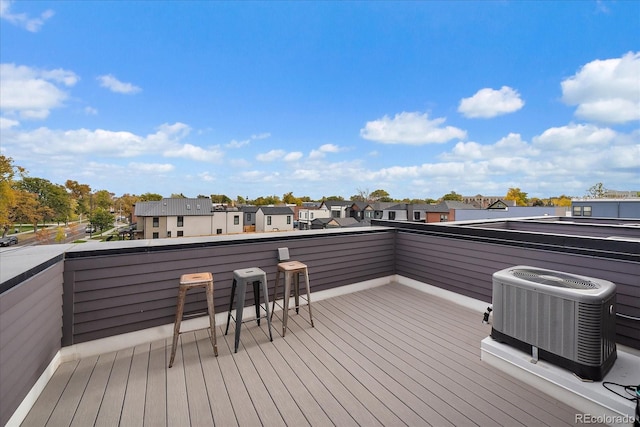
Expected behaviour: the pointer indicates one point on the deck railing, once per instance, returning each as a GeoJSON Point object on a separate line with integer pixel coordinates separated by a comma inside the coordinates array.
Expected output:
{"type": "Point", "coordinates": [103, 290]}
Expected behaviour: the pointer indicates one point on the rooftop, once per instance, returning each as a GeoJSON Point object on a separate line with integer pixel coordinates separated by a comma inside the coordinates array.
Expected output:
{"type": "Point", "coordinates": [398, 337]}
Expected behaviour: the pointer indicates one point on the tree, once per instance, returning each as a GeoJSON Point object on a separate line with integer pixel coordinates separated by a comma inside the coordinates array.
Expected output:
{"type": "Point", "coordinates": [125, 203]}
{"type": "Point", "coordinates": [268, 200]}
{"type": "Point", "coordinates": [102, 219]}
{"type": "Point", "coordinates": [7, 192]}
{"type": "Point", "coordinates": [178, 196]}
{"type": "Point", "coordinates": [220, 198]}
{"type": "Point", "coordinates": [150, 197]}
{"type": "Point", "coordinates": [55, 202]}
{"type": "Point", "coordinates": [334, 199]}
{"type": "Point", "coordinates": [597, 191]}
{"type": "Point", "coordinates": [26, 208]}
{"type": "Point", "coordinates": [103, 199]}
{"type": "Point", "coordinates": [80, 193]}
{"type": "Point", "coordinates": [561, 201]}
{"type": "Point", "coordinates": [519, 196]}
{"type": "Point", "coordinates": [361, 196]}
{"type": "Point", "coordinates": [380, 196]}
{"type": "Point", "coordinates": [290, 199]}
{"type": "Point", "coordinates": [452, 196]}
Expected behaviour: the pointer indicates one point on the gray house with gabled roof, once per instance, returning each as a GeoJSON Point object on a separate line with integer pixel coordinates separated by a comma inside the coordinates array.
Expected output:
{"type": "Point", "coordinates": [168, 218]}
{"type": "Point", "coordinates": [274, 218]}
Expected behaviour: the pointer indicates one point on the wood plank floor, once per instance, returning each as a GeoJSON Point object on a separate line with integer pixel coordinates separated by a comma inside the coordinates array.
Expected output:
{"type": "Point", "coordinates": [388, 356]}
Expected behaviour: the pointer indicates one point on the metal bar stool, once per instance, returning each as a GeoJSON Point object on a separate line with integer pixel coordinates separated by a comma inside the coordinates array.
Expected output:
{"type": "Point", "coordinates": [187, 282]}
{"type": "Point", "coordinates": [258, 278]}
{"type": "Point", "coordinates": [292, 271]}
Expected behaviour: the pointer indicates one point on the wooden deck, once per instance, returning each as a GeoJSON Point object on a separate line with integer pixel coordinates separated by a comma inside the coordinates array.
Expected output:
{"type": "Point", "coordinates": [387, 356]}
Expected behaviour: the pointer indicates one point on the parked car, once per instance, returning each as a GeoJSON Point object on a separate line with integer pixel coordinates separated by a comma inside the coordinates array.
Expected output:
{"type": "Point", "coordinates": [8, 241]}
{"type": "Point", "coordinates": [90, 229]}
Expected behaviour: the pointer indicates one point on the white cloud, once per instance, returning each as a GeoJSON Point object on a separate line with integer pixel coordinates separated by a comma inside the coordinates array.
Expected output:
{"type": "Point", "coordinates": [22, 19]}
{"type": "Point", "coordinates": [323, 150]}
{"type": "Point", "coordinates": [293, 156]}
{"type": "Point", "coordinates": [100, 142]}
{"type": "Point", "coordinates": [263, 135]}
{"type": "Point", "coordinates": [512, 144]}
{"type": "Point", "coordinates": [90, 111]}
{"type": "Point", "coordinates": [8, 123]}
{"type": "Point", "coordinates": [271, 156]}
{"type": "Point", "coordinates": [193, 152]}
{"type": "Point", "coordinates": [151, 167]}
{"type": "Point", "coordinates": [206, 176]}
{"type": "Point", "coordinates": [33, 93]}
{"type": "Point", "coordinates": [488, 103]}
{"type": "Point", "coordinates": [606, 91]}
{"type": "Point", "coordinates": [575, 137]}
{"type": "Point", "coordinates": [114, 85]}
{"type": "Point", "coordinates": [410, 128]}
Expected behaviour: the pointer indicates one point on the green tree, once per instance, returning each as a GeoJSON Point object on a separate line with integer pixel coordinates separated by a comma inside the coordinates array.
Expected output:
{"type": "Point", "coordinates": [334, 199]}
{"type": "Point", "coordinates": [519, 196]}
{"type": "Point", "coordinates": [150, 197]}
{"type": "Point", "coordinates": [597, 191]}
{"type": "Point", "coordinates": [178, 196]}
{"type": "Point", "coordinates": [80, 193]}
{"type": "Point", "coordinates": [55, 202]}
{"type": "Point", "coordinates": [380, 196]}
{"type": "Point", "coordinates": [452, 196]}
{"type": "Point", "coordinates": [220, 198]}
{"type": "Point", "coordinates": [290, 199]}
{"type": "Point", "coordinates": [268, 200]}
{"type": "Point", "coordinates": [102, 199]}
{"type": "Point", "coordinates": [102, 219]}
{"type": "Point", "coordinates": [125, 203]}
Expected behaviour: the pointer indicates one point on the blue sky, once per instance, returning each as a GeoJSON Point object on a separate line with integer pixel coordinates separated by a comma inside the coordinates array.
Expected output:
{"type": "Point", "coordinates": [323, 98]}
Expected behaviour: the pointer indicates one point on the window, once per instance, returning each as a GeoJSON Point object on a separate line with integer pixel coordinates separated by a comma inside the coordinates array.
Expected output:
{"type": "Point", "coordinates": [219, 231]}
{"type": "Point", "coordinates": [156, 221]}
{"type": "Point", "coordinates": [368, 214]}
{"type": "Point", "coordinates": [335, 214]}
{"type": "Point", "coordinates": [236, 219]}
{"type": "Point", "coordinates": [444, 217]}
{"type": "Point", "coordinates": [180, 221]}
{"type": "Point", "coordinates": [392, 216]}
{"type": "Point", "coordinates": [416, 216]}
{"type": "Point", "coordinates": [168, 234]}
{"type": "Point", "coordinates": [288, 219]}
{"type": "Point", "coordinates": [586, 211]}
{"type": "Point", "coordinates": [268, 219]}
{"type": "Point", "coordinates": [577, 211]}
{"type": "Point", "coordinates": [156, 235]}
{"type": "Point", "coordinates": [311, 215]}
{"type": "Point", "coordinates": [180, 233]}
{"type": "Point", "coordinates": [248, 217]}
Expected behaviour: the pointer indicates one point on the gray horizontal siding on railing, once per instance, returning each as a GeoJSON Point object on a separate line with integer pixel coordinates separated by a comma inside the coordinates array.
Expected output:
{"type": "Point", "coordinates": [31, 330]}
{"type": "Point", "coordinates": [109, 293]}
{"type": "Point", "coordinates": [466, 267]}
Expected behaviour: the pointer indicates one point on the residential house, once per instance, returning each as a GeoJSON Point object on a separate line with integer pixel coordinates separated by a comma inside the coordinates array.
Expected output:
{"type": "Point", "coordinates": [185, 218]}
{"type": "Point", "coordinates": [274, 218]}
{"type": "Point", "coordinates": [338, 208]}
{"type": "Point", "coordinates": [306, 213]}
{"type": "Point", "coordinates": [483, 202]}
{"type": "Point", "coordinates": [321, 223]}
{"type": "Point", "coordinates": [397, 212]}
{"type": "Point", "coordinates": [249, 217]}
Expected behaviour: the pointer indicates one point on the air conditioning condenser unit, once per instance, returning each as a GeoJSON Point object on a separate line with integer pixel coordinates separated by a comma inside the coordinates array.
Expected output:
{"type": "Point", "coordinates": [566, 319]}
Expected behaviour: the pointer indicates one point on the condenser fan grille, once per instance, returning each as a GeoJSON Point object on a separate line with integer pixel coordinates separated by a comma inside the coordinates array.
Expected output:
{"type": "Point", "coordinates": [554, 279]}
